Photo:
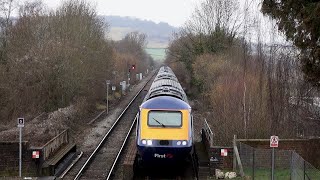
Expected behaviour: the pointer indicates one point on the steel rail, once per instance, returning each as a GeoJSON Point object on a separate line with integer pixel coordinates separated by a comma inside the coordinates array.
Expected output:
{"type": "Point", "coordinates": [105, 137]}
{"type": "Point", "coordinates": [121, 149]}
{"type": "Point", "coordinates": [71, 165]}
{"type": "Point", "coordinates": [88, 161]}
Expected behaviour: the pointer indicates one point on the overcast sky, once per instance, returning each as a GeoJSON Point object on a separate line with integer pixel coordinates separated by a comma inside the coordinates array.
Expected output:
{"type": "Point", "coordinates": [174, 12]}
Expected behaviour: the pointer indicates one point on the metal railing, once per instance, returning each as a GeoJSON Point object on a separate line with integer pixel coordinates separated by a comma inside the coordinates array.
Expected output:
{"type": "Point", "coordinates": [55, 143]}
{"type": "Point", "coordinates": [288, 164]}
{"type": "Point", "coordinates": [208, 132]}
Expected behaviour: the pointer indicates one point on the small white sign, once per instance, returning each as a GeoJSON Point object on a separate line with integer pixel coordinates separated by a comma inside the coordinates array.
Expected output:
{"type": "Point", "coordinates": [20, 122]}
{"type": "Point", "coordinates": [113, 88]}
{"type": "Point", "coordinates": [35, 154]}
{"type": "Point", "coordinates": [224, 152]}
{"type": "Point", "coordinates": [274, 141]}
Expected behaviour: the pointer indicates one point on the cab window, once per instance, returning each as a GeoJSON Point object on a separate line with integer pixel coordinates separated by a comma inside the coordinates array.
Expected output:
{"type": "Point", "coordinates": [164, 119]}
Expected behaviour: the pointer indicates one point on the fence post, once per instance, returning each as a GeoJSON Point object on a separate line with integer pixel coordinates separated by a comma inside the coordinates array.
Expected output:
{"type": "Point", "coordinates": [304, 169]}
{"type": "Point", "coordinates": [234, 154]}
{"type": "Point", "coordinates": [235, 148]}
{"type": "Point", "coordinates": [253, 163]}
{"type": "Point", "coordinates": [272, 164]}
{"type": "Point", "coordinates": [291, 164]}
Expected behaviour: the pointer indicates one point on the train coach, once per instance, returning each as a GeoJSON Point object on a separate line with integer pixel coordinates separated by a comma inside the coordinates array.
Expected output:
{"type": "Point", "coordinates": [165, 124]}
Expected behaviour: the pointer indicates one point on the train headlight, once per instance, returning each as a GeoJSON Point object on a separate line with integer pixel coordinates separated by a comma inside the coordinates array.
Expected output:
{"type": "Point", "coordinates": [144, 142]}
{"type": "Point", "coordinates": [179, 143]}
{"type": "Point", "coordinates": [149, 142]}
{"type": "Point", "coordinates": [184, 143]}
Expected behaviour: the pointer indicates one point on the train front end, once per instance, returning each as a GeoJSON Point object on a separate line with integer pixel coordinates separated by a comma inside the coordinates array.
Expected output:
{"type": "Point", "coordinates": [164, 130]}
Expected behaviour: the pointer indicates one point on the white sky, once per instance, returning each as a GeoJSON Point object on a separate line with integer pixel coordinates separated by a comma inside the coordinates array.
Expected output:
{"type": "Point", "coordinates": [174, 12]}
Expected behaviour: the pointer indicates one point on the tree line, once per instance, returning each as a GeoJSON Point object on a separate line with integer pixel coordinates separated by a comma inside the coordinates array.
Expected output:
{"type": "Point", "coordinates": [241, 83]}
{"type": "Point", "coordinates": [51, 59]}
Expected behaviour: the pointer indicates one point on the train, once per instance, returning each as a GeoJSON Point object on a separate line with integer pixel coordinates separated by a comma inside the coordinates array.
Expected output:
{"type": "Point", "coordinates": [164, 130]}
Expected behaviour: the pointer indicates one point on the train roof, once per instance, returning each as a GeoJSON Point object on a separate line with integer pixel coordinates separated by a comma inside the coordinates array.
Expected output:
{"type": "Point", "coordinates": [166, 84]}
{"type": "Point", "coordinates": [165, 69]}
{"type": "Point", "coordinates": [165, 102]}
{"type": "Point", "coordinates": [166, 75]}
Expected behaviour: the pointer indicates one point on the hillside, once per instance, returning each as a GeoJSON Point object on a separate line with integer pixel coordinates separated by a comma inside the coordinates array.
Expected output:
{"type": "Point", "coordinates": [158, 33]}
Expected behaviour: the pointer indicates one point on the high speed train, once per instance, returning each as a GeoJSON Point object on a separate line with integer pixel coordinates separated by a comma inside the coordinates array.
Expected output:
{"type": "Point", "coordinates": [165, 122]}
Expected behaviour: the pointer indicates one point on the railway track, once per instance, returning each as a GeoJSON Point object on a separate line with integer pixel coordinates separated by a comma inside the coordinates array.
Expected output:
{"type": "Point", "coordinates": [101, 162]}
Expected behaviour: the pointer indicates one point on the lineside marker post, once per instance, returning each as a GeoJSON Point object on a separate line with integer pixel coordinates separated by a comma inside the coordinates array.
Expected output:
{"type": "Point", "coordinates": [20, 126]}
{"type": "Point", "coordinates": [107, 82]}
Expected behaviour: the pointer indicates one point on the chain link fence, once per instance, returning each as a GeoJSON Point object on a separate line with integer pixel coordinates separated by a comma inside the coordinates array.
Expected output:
{"type": "Point", "coordinates": [257, 164]}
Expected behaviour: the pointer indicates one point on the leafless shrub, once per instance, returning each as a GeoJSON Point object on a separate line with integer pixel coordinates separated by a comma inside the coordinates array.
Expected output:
{"type": "Point", "coordinates": [244, 87]}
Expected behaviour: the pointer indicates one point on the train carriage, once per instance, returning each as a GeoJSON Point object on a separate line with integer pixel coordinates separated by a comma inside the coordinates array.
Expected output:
{"type": "Point", "coordinates": [165, 129]}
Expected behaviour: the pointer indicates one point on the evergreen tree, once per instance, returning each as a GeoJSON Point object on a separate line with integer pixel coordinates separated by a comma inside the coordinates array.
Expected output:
{"type": "Point", "coordinates": [300, 21]}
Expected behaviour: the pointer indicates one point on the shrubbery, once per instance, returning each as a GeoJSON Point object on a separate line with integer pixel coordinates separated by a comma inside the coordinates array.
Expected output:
{"type": "Point", "coordinates": [241, 88]}
{"type": "Point", "coordinates": [50, 60]}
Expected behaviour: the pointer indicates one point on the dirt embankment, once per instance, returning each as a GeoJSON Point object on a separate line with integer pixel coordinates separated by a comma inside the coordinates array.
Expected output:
{"type": "Point", "coordinates": [45, 126]}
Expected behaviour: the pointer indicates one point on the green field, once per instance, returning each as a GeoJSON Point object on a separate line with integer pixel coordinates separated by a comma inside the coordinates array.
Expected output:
{"type": "Point", "coordinates": [266, 174]}
{"type": "Point", "coordinates": [158, 54]}
{"type": "Point", "coordinates": [284, 174]}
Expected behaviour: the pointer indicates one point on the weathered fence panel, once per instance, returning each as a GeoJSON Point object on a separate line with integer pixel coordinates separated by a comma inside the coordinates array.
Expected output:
{"type": "Point", "coordinates": [55, 144]}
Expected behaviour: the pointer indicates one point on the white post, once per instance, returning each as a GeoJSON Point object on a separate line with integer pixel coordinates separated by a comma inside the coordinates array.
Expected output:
{"type": "Point", "coordinates": [20, 126]}
{"type": "Point", "coordinates": [20, 151]}
{"type": "Point", "coordinates": [107, 82]}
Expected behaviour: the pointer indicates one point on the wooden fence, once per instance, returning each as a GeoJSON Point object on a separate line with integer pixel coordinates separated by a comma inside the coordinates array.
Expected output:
{"type": "Point", "coordinates": [54, 144]}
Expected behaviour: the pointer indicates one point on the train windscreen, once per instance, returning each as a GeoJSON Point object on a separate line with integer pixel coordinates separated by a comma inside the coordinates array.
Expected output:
{"type": "Point", "coordinates": [165, 119]}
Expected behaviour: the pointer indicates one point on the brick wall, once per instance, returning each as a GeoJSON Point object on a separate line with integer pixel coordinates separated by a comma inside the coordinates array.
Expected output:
{"type": "Point", "coordinates": [214, 153]}
{"type": "Point", "coordinates": [9, 162]}
{"type": "Point", "coordinates": [224, 162]}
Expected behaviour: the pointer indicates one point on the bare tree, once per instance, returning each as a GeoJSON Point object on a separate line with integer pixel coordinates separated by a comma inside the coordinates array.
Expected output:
{"type": "Point", "coordinates": [6, 8]}
{"type": "Point", "coordinates": [248, 86]}
{"type": "Point", "coordinates": [133, 44]}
